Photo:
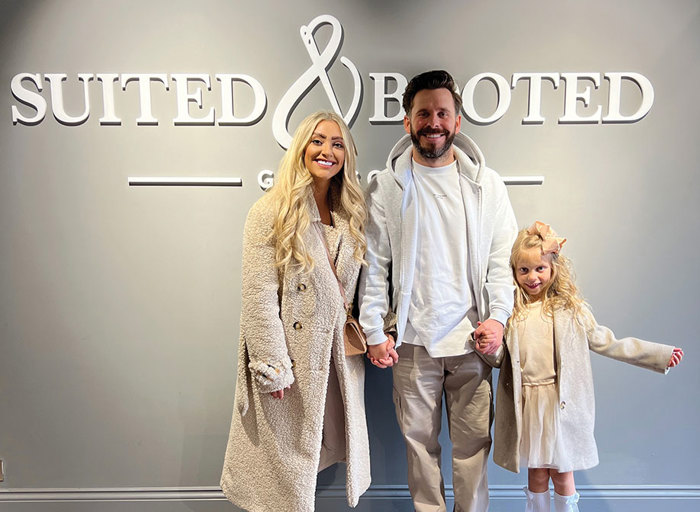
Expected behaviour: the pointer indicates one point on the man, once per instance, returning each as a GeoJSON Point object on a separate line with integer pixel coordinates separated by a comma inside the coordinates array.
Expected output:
{"type": "Point", "coordinates": [438, 243]}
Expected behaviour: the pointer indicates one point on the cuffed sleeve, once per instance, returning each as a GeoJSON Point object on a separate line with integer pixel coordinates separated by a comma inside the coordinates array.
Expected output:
{"type": "Point", "coordinates": [493, 360]}
{"type": "Point", "coordinates": [272, 376]}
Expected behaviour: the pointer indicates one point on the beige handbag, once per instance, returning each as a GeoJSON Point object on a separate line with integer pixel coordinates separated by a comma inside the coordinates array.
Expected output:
{"type": "Point", "coordinates": [354, 337]}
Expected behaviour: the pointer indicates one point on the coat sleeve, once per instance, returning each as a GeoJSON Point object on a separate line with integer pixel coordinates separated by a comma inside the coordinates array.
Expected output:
{"type": "Point", "coordinates": [262, 330]}
{"type": "Point", "coordinates": [374, 279]}
{"type": "Point", "coordinates": [499, 278]}
{"type": "Point", "coordinates": [645, 354]}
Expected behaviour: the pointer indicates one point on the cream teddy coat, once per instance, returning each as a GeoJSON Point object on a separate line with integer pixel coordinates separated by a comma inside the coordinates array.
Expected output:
{"type": "Point", "coordinates": [572, 341]}
{"type": "Point", "coordinates": [290, 326]}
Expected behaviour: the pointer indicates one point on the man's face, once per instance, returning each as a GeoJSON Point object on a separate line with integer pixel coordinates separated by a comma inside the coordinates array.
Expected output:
{"type": "Point", "coordinates": [433, 124]}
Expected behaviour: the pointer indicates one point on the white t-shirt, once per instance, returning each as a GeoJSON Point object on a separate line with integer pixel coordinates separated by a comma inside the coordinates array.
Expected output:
{"type": "Point", "coordinates": [442, 313]}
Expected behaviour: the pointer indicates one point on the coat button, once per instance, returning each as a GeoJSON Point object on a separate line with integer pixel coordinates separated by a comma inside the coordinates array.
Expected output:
{"type": "Point", "coordinates": [297, 326]}
{"type": "Point", "coordinates": [301, 287]}
{"type": "Point", "coordinates": [562, 405]}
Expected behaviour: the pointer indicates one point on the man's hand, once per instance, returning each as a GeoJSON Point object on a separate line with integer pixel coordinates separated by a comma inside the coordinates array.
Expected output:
{"type": "Point", "coordinates": [488, 336]}
{"type": "Point", "coordinates": [383, 355]}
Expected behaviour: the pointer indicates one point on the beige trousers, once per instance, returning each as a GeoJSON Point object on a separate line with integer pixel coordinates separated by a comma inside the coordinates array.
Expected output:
{"type": "Point", "coordinates": [419, 384]}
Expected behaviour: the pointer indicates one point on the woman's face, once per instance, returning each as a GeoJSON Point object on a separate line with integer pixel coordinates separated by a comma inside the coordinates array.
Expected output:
{"type": "Point", "coordinates": [325, 154]}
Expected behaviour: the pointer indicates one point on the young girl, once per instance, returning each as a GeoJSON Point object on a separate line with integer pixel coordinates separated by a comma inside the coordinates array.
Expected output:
{"type": "Point", "coordinates": [545, 404]}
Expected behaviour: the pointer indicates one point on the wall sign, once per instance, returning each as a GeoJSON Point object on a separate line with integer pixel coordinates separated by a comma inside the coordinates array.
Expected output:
{"type": "Point", "coordinates": [189, 91]}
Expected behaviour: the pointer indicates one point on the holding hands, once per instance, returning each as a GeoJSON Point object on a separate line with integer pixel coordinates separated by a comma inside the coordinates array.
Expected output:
{"type": "Point", "coordinates": [383, 355]}
{"type": "Point", "coordinates": [488, 336]}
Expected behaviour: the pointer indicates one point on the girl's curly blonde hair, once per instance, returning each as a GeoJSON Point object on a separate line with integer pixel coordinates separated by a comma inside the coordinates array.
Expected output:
{"type": "Point", "coordinates": [560, 292]}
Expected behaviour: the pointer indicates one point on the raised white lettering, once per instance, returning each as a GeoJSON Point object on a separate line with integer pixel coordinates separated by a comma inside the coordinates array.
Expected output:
{"type": "Point", "coordinates": [503, 90]}
{"type": "Point", "coordinates": [109, 116]}
{"type": "Point", "coordinates": [184, 98]}
{"type": "Point", "coordinates": [646, 89]}
{"type": "Point", "coordinates": [59, 112]}
{"type": "Point", "coordinates": [29, 98]}
{"type": "Point", "coordinates": [266, 179]}
{"type": "Point", "coordinates": [144, 80]}
{"type": "Point", "coordinates": [534, 103]}
{"type": "Point", "coordinates": [227, 117]}
{"type": "Point", "coordinates": [241, 108]}
{"type": "Point", "coordinates": [382, 96]}
{"type": "Point", "coordinates": [573, 95]}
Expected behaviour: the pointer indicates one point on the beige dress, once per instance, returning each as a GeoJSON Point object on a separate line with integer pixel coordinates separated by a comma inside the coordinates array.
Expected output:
{"type": "Point", "coordinates": [540, 445]}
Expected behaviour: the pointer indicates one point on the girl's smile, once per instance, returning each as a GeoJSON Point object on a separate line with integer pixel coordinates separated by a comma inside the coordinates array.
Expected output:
{"type": "Point", "coordinates": [533, 272]}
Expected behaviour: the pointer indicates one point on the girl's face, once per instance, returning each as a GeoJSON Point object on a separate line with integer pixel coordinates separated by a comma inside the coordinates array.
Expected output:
{"type": "Point", "coordinates": [533, 271]}
{"type": "Point", "coordinates": [325, 154]}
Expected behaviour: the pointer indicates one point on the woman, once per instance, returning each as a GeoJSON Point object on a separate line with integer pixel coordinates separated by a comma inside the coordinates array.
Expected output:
{"type": "Point", "coordinates": [299, 404]}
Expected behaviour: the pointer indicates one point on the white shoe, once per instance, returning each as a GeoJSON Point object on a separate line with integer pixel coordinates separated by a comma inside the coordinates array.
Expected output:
{"type": "Point", "coordinates": [566, 503]}
{"type": "Point", "coordinates": [536, 501]}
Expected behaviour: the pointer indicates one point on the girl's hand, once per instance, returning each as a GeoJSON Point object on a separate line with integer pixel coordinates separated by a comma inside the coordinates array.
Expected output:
{"type": "Point", "coordinates": [279, 394]}
{"type": "Point", "coordinates": [675, 357]}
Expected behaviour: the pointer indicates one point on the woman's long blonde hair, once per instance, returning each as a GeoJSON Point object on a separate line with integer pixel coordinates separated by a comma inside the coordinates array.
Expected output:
{"type": "Point", "coordinates": [561, 291]}
{"type": "Point", "coordinates": [294, 184]}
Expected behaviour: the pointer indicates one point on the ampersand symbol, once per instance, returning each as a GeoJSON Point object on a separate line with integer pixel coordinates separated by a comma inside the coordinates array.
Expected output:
{"type": "Point", "coordinates": [320, 64]}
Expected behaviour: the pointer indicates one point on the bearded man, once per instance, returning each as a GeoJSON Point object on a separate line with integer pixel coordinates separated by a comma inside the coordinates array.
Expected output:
{"type": "Point", "coordinates": [439, 236]}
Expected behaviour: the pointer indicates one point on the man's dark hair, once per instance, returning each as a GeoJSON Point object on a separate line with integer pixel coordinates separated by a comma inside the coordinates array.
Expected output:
{"type": "Point", "coordinates": [437, 79]}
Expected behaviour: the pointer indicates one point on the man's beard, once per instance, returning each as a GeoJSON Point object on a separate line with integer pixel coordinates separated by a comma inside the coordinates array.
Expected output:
{"type": "Point", "coordinates": [436, 153]}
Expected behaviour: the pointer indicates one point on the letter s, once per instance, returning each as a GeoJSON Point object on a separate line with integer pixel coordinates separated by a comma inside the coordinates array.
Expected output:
{"type": "Point", "coordinates": [27, 97]}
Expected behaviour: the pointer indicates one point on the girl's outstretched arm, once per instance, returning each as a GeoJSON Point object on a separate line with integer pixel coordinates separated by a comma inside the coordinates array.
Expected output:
{"type": "Point", "coordinates": [645, 354]}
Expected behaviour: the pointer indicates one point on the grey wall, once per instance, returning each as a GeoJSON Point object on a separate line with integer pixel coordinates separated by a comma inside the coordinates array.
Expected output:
{"type": "Point", "coordinates": [119, 305]}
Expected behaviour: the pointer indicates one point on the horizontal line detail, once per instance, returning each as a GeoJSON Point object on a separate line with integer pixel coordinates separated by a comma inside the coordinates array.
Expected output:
{"type": "Point", "coordinates": [148, 494]}
{"type": "Point", "coordinates": [523, 180]}
{"type": "Point", "coordinates": [153, 181]}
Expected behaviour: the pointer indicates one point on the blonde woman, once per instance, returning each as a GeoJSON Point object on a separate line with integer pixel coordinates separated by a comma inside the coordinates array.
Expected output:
{"type": "Point", "coordinates": [299, 404]}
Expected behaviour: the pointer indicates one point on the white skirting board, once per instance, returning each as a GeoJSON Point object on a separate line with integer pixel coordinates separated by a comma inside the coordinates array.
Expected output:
{"type": "Point", "coordinates": [379, 492]}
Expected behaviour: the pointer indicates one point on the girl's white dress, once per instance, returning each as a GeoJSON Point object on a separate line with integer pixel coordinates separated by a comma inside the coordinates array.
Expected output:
{"type": "Point", "coordinates": [540, 444]}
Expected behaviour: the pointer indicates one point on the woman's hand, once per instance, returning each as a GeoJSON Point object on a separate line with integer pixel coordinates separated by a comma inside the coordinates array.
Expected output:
{"type": "Point", "coordinates": [279, 394]}
{"type": "Point", "coordinates": [383, 355]}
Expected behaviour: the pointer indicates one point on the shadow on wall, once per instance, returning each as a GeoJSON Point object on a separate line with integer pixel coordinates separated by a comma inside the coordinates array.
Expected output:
{"type": "Point", "coordinates": [13, 14]}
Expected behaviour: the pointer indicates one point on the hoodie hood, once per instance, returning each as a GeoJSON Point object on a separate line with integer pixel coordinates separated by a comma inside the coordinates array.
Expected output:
{"type": "Point", "coordinates": [471, 159]}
